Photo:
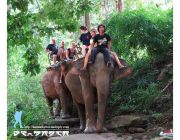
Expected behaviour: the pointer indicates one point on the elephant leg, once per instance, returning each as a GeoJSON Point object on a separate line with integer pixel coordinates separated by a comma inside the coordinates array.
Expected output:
{"type": "Point", "coordinates": [90, 118]}
{"type": "Point", "coordinates": [102, 99]}
{"type": "Point", "coordinates": [69, 101]}
{"type": "Point", "coordinates": [89, 107]}
{"type": "Point", "coordinates": [89, 104]}
{"type": "Point", "coordinates": [81, 113]}
{"type": "Point", "coordinates": [65, 113]}
{"type": "Point", "coordinates": [50, 105]}
{"type": "Point", "coordinates": [88, 95]}
{"type": "Point", "coordinates": [58, 109]}
{"type": "Point", "coordinates": [64, 103]}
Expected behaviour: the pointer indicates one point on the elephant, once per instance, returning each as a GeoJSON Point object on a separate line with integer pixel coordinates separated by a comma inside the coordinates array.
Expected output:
{"type": "Point", "coordinates": [93, 86]}
{"type": "Point", "coordinates": [53, 90]}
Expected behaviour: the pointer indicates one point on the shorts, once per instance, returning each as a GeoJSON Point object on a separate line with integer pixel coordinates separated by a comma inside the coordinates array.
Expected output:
{"type": "Point", "coordinates": [84, 50]}
{"type": "Point", "coordinates": [55, 52]}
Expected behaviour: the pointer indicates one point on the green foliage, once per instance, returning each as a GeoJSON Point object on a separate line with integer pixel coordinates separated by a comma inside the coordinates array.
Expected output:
{"type": "Point", "coordinates": [30, 21]}
{"type": "Point", "coordinates": [32, 65]}
{"type": "Point", "coordinates": [25, 91]}
{"type": "Point", "coordinates": [140, 37]}
{"type": "Point", "coordinates": [83, 6]}
{"type": "Point", "coordinates": [147, 29]}
{"type": "Point", "coordinates": [140, 92]}
{"type": "Point", "coordinates": [137, 92]}
{"type": "Point", "coordinates": [157, 115]}
{"type": "Point", "coordinates": [143, 97]}
{"type": "Point", "coordinates": [62, 14]}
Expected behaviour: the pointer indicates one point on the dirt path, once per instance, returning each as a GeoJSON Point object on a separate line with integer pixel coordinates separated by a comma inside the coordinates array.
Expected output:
{"type": "Point", "coordinates": [102, 136]}
{"type": "Point", "coordinates": [150, 134]}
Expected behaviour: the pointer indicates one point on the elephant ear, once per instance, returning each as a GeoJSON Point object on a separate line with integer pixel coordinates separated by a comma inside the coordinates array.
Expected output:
{"type": "Point", "coordinates": [68, 64]}
{"type": "Point", "coordinates": [120, 73]}
{"type": "Point", "coordinates": [65, 64]}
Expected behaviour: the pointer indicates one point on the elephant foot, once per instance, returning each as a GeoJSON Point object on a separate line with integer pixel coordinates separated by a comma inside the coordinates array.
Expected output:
{"type": "Point", "coordinates": [101, 130]}
{"type": "Point", "coordinates": [56, 114]}
{"type": "Point", "coordinates": [51, 114]}
{"type": "Point", "coordinates": [52, 117]}
{"type": "Point", "coordinates": [65, 116]}
{"type": "Point", "coordinates": [82, 127]}
{"type": "Point", "coordinates": [90, 129]}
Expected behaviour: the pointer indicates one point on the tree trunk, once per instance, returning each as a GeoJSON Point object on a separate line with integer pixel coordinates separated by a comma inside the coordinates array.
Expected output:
{"type": "Point", "coordinates": [87, 20]}
{"type": "Point", "coordinates": [86, 17]}
{"type": "Point", "coordinates": [105, 8]}
{"type": "Point", "coordinates": [119, 5]}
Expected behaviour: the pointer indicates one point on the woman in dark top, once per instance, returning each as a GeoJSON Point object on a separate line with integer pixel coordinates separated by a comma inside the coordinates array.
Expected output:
{"type": "Point", "coordinates": [71, 52]}
{"type": "Point", "coordinates": [93, 34]}
{"type": "Point", "coordinates": [85, 39]}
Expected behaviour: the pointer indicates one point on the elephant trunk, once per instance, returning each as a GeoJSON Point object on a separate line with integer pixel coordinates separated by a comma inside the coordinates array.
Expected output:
{"type": "Point", "coordinates": [121, 73]}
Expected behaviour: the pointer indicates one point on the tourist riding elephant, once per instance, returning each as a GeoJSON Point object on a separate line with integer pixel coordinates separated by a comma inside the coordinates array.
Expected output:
{"type": "Point", "coordinates": [53, 90]}
{"type": "Point", "coordinates": [93, 86]}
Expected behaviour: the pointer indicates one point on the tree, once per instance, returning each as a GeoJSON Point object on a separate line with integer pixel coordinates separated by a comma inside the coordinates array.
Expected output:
{"type": "Point", "coordinates": [31, 20]}
{"type": "Point", "coordinates": [86, 20]}
{"type": "Point", "coordinates": [119, 5]}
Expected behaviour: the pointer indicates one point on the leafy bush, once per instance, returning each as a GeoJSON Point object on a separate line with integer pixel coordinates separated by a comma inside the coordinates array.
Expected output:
{"type": "Point", "coordinates": [140, 36]}
{"type": "Point", "coordinates": [137, 100]}
{"type": "Point", "coordinates": [143, 98]}
{"type": "Point", "coordinates": [143, 31]}
{"type": "Point", "coordinates": [136, 93]}
{"type": "Point", "coordinates": [26, 92]}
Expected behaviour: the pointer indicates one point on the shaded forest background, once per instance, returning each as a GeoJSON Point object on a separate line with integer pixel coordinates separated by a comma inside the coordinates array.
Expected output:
{"type": "Point", "coordinates": [141, 32]}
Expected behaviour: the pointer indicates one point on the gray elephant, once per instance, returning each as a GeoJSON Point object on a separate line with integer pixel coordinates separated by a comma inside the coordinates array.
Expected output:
{"type": "Point", "coordinates": [93, 86]}
{"type": "Point", "coordinates": [53, 90]}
